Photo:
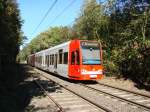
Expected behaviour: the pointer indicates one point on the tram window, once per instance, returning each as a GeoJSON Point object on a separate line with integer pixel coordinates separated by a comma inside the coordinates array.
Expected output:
{"type": "Point", "coordinates": [39, 60]}
{"type": "Point", "coordinates": [49, 59]}
{"type": "Point", "coordinates": [72, 58]}
{"type": "Point", "coordinates": [46, 60]}
{"type": "Point", "coordinates": [77, 57]}
{"type": "Point", "coordinates": [52, 59]}
{"type": "Point", "coordinates": [60, 56]}
{"type": "Point", "coordinates": [66, 58]}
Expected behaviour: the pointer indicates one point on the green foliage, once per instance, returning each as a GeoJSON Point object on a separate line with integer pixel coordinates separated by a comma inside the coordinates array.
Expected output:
{"type": "Point", "coordinates": [92, 22]}
{"type": "Point", "coordinates": [136, 65]}
{"type": "Point", "coordinates": [10, 25]}
{"type": "Point", "coordinates": [47, 39]}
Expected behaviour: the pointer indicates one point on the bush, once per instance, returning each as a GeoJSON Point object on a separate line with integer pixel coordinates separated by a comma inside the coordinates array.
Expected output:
{"type": "Point", "coordinates": [136, 64]}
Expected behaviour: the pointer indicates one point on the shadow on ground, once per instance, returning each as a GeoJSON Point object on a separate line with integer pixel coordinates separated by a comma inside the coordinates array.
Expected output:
{"type": "Point", "coordinates": [17, 89]}
{"type": "Point", "coordinates": [140, 85]}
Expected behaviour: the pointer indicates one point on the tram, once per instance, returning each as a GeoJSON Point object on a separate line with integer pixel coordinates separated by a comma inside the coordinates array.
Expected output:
{"type": "Point", "coordinates": [75, 59]}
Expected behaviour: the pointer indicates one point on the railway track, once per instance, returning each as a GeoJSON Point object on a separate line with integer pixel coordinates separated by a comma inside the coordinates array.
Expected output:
{"type": "Point", "coordinates": [93, 93]}
{"type": "Point", "coordinates": [124, 90]}
{"type": "Point", "coordinates": [68, 101]}
{"type": "Point", "coordinates": [125, 95]}
{"type": "Point", "coordinates": [38, 83]}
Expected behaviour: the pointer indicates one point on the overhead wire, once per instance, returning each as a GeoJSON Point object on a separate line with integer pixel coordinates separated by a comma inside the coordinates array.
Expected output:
{"type": "Point", "coordinates": [69, 5]}
{"type": "Point", "coordinates": [46, 14]}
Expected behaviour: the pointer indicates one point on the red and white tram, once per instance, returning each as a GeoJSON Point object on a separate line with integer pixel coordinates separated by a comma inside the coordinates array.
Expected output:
{"type": "Point", "coordinates": [76, 59]}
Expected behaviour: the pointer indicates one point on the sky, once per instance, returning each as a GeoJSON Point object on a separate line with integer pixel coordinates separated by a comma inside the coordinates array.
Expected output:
{"type": "Point", "coordinates": [32, 12]}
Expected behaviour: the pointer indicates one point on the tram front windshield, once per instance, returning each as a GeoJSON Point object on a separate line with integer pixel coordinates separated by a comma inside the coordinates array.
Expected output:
{"type": "Point", "coordinates": [90, 53]}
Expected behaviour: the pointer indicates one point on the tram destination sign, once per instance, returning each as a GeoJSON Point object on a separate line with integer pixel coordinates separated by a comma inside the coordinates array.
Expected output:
{"type": "Point", "coordinates": [89, 44]}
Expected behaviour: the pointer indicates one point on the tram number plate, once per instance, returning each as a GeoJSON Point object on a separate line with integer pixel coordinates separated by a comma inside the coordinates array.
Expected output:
{"type": "Point", "coordinates": [93, 76]}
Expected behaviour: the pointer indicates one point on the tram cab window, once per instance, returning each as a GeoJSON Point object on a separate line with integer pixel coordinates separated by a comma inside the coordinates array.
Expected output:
{"type": "Point", "coordinates": [65, 58]}
{"type": "Point", "coordinates": [90, 53]}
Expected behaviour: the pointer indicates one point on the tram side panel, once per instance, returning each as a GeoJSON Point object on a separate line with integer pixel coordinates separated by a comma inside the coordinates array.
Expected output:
{"type": "Point", "coordinates": [62, 62]}
{"type": "Point", "coordinates": [40, 58]}
{"type": "Point", "coordinates": [56, 59]}
{"type": "Point", "coordinates": [31, 60]}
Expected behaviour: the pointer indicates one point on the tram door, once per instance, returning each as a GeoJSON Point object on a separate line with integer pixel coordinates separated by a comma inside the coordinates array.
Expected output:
{"type": "Point", "coordinates": [75, 62]}
{"type": "Point", "coordinates": [55, 64]}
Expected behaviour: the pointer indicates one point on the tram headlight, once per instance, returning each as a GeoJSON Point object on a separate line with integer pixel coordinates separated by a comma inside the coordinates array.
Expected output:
{"type": "Point", "coordinates": [100, 71]}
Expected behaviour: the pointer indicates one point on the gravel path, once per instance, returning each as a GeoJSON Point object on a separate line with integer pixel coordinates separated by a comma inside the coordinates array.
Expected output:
{"type": "Point", "coordinates": [125, 84]}
{"type": "Point", "coordinates": [68, 101]}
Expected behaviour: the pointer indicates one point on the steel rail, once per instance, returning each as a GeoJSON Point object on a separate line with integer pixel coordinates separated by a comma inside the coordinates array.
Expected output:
{"type": "Point", "coordinates": [46, 93]}
{"type": "Point", "coordinates": [132, 102]}
{"type": "Point", "coordinates": [64, 86]}
{"type": "Point", "coordinates": [137, 93]}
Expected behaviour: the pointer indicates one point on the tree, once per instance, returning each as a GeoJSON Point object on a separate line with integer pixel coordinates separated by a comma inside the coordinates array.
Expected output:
{"type": "Point", "coordinates": [93, 22]}
{"type": "Point", "coordinates": [10, 25]}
